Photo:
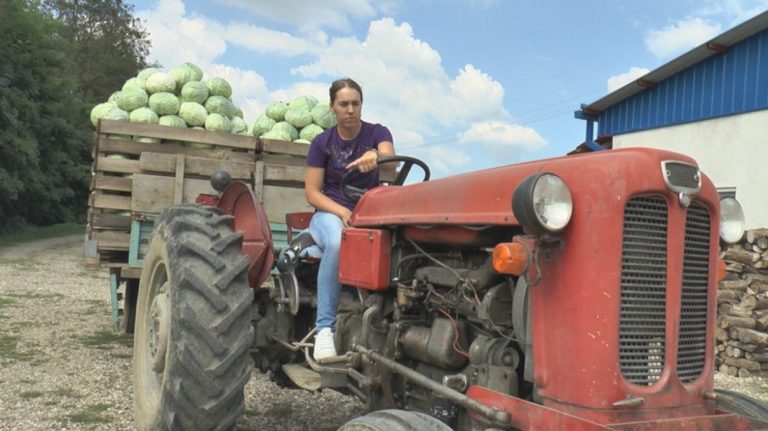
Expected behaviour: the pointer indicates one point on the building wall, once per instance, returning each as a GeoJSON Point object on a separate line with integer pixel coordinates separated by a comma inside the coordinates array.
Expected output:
{"type": "Point", "coordinates": [732, 151]}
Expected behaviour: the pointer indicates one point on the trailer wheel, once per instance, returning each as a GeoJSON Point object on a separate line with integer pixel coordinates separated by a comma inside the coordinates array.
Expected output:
{"type": "Point", "coordinates": [741, 404]}
{"type": "Point", "coordinates": [395, 420]}
{"type": "Point", "coordinates": [193, 331]}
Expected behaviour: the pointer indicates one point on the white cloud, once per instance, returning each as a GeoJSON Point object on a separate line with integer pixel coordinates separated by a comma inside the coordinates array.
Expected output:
{"type": "Point", "coordinates": [677, 38]}
{"type": "Point", "coordinates": [502, 134]}
{"type": "Point", "coordinates": [313, 15]}
{"type": "Point", "coordinates": [404, 82]}
{"type": "Point", "coordinates": [617, 81]}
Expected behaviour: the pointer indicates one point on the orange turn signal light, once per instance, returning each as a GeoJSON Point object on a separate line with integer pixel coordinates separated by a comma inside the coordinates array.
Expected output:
{"type": "Point", "coordinates": [721, 269]}
{"type": "Point", "coordinates": [510, 258]}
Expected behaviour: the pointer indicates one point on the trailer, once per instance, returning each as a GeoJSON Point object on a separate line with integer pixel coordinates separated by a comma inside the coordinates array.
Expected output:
{"type": "Point", "coordinates": [141, 169]}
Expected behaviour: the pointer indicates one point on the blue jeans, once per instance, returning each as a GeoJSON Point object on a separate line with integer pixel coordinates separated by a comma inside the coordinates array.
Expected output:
{"type": "Point", "coordinates": [325, 229]}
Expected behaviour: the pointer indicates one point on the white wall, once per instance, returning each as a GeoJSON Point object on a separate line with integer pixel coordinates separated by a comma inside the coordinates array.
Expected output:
{"type": "Point", "coordinates": [732, 151]}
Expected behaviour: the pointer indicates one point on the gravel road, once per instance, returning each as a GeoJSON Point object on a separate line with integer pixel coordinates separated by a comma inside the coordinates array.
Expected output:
{"type": "Point", "coordinates": [63, 368]}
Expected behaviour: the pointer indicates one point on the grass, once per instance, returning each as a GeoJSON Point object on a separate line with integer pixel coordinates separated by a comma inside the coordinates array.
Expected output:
{"type": "Point", "coordinates": [66, 391]}
{"type": "Point", "coordinates": [9, 349]}
{"type": "Point", "coordinates": [36, 295]}
{"type": "Point", "coordinates": [31, 394]}
{"type": "Point", "coordinates": [33, 234]}
{"type": "Point", "coordinates": [107, 339]}
{"type": "Point", "coordinates": [91, 415]}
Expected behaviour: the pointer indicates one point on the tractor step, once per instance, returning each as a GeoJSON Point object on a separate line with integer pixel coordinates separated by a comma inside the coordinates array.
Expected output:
{"type": "Point", "coordinates": [303, 377]}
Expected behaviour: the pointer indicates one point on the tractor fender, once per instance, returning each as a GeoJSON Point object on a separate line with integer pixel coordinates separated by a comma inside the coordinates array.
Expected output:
{"type": "Point", "coordinates": [239, 200]}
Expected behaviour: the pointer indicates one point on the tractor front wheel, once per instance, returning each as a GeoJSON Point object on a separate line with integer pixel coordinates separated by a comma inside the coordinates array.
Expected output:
{"type": "Point", "coordinates": [395, 420]}
{"type": "Point", "coordinates": [193, 331]}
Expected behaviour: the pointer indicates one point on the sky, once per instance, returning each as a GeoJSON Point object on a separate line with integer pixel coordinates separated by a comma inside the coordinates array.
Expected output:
{"type": "Point", "coordinates": [462, 84]}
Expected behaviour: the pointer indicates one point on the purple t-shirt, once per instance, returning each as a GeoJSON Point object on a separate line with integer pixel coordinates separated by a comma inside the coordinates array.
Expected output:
{"type": "Point", "coordinates": [330, 152]}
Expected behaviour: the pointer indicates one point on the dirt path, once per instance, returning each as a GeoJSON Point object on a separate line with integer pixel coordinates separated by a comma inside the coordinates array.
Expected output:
{"type": "Point", "coordinates": [62, 367]}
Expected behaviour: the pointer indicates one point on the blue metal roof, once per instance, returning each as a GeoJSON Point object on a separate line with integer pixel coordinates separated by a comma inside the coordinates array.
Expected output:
{"type": "Point", "coordinates": [725, 76]}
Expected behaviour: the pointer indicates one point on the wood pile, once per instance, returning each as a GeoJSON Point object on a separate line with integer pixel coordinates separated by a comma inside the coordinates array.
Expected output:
{"type": "Point", "coordinates": [741, 346]}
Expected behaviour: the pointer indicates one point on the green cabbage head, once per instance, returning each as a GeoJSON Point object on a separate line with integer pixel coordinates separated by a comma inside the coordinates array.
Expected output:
{"type": "Point", "coordinates": [194, 91]}
{"type": "Point", "coordinates": [143, 115]}
{"type": "Point", "coordinates": [262, 125]}
{"type": "Point", "coordinates": [238, 125]}
{"type": "Point", "coordinates": [218, 123]}
{"type": "Point", "coordinates": [276, 111]}
{"type": "Point", "coordinates": [309, 132]}
{"type": "Point", "coordinates": [285, 127]}
{"type": "Point", "coordinates": [160, 82]}
{"type": "Point", "coordinates": [193, 113]}
{"type": "Point", "coordinates": [307, 102]}
{"type": "Point", "coordinates": [298, 117]}
{"type": "Point", "coordinates": [131, 98]}
{"type": "Point", "coordinates": [220, 105]}
{"type": "Point", "coordinates": [99, 110]}
{"type": "Point", "coordinates": [172, 121]}
{"type": "Point", "coordinates": [146, 73]}
{"type": "Point", "coordinates": [323, 116]}
{"type": "Point", "coordinates": [164, 103]}
{"type": "Point", "coordinates": [219, 87]}
{"type": "Point", "coordinates": [134, 82]}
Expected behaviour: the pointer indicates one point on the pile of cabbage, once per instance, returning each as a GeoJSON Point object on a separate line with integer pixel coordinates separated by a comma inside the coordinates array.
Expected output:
{"type": "Point", "coordinates": [299, 120]}
{"type": "Point", "coordinates": [178, 97]}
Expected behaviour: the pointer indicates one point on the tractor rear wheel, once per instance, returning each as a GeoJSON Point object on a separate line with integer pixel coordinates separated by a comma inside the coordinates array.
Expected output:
{"type": "Point", "coordinates": [395, 420]}
{"type": "Point", "coordinates": [741, 404]}
{"type": "Point", "coordinates": [193, 331]}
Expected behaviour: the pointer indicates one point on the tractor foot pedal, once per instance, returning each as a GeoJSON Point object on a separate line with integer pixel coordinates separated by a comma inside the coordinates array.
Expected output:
{"type": "Point", "coordinates": [303, 377]}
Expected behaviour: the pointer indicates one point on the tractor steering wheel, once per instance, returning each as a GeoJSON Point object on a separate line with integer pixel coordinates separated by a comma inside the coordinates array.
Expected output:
{"type": "Point", "coordinates": [355, 193]}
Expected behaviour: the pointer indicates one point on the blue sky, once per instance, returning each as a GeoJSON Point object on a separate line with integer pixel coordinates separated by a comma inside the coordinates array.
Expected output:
{"type": "Point", "coordinates": [462, 84]}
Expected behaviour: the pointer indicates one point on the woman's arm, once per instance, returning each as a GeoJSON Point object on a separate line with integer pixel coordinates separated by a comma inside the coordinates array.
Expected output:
{"type": "Point", "coordinates": [368, 161]}
{"type": "Point", "coordinates": [313, 188]}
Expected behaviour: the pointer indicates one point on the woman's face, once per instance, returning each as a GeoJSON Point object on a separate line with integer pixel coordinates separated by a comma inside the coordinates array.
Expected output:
{"type": "Point", "coordinates": [348, 107]}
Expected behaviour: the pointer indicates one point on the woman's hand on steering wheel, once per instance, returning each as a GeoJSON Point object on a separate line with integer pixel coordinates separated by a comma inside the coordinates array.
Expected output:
{"type": "Point", "coordinates": [365, 163]}
{"type": "Point", "coordinates": [354, 193]}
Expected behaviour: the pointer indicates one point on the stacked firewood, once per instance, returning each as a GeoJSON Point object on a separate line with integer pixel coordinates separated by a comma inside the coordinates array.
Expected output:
{"type": "Point", "coordinates": [741, 347]}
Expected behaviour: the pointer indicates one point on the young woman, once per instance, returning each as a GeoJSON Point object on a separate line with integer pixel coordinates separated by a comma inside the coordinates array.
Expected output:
{"type": "Point", "coordinates": [352, 144]}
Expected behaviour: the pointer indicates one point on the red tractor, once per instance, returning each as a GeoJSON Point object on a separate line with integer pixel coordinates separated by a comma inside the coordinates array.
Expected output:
{"type": "Point", "coordinates": [575, 293]}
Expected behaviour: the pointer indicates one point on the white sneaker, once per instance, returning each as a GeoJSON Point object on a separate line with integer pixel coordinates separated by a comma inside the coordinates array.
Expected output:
{"type": "Point", "coordinates": [324, 347]}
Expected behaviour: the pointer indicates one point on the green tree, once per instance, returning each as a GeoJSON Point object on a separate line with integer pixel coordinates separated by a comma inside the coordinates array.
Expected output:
{"type": "Point", "coordinates": [44, 148]}
{"type": "Point", "coordinates": [107, 44]}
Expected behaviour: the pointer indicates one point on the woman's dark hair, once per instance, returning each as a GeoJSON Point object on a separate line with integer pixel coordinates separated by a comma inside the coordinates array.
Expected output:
{"type": "Point", "coordinates": [344, 83]}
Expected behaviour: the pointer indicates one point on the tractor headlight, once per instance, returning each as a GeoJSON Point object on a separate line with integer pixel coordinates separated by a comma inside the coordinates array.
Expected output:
{"type": "Point", "coordinates": [542, 204]}
{"type": "Point", "coordinates": [732, 221]}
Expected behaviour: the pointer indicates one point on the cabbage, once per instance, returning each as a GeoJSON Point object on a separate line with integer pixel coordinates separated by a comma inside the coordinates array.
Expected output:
{"type": "Point", "coordinates": [194, 91]}
{"type": "Point", "coordinates": [238, 125]}
{"type": "Point", "coordinates": [113, 97]}
{"type": "Point", "coordinates": [262, 125]}
{"type": "Point", "coordinates": [218, 123]}
{"type": "Point", "coordinates": [286, 127]}
{"type": "Point", "coordinates": [164, 103]}
{"type": "Point", "coordinates": [307, 102]}
{"type": "Point", "coordinates": [181, 75]}
{"type": "Point", "coordinates": [160, 81]}
{"type": "Point", "coordinates": [278, 135]}
{"type": "Point", "coordinates": [239, 113]}
{"type": "Point", "coordinates": [116, 114]}
{"type": "Point", "coordinates": [220, 105]}
{"type": "Point", "coordinates": [323, 116]}
{"type": "Point", "coordinates": [298, 117]}
{"type": "Point", "coordinates": [131, 98]}
{"type": "Point", "coordinates": [301, 141]}
{"type": "Point", "coordinates": [99, 110]}
{"type": "Point", "coordinates": [276, 111]}
{"type": "Point", "coordinates": [219, 87]}
{"type": "Point", "coordinates": [146, 73]}
{"type": "Point", "coordinates": [310, 131]}
{"type": "Point", "coordinates": [193, 113]}
{"type": "Point", "coordinates": [143, 115]}
{"type": "Point", "coordinates": [115, 156]}
{"type": "Point", "coordinates": [197, 73]}
{"type": "Point", "coordinates": [172, 121]}
{"type": "Point", "coordinates": [134, 82]}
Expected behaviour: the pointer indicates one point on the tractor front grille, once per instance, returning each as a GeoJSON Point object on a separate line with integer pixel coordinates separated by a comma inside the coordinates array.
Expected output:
{"type": "Point", "coordinates": [643, 290]}
{"type": "Point", "coordinates": [693, 308]}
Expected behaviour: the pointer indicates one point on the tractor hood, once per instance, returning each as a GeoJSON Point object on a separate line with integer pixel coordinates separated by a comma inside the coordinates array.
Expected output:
{"type": "Point", "coordinates": [485, 197]}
